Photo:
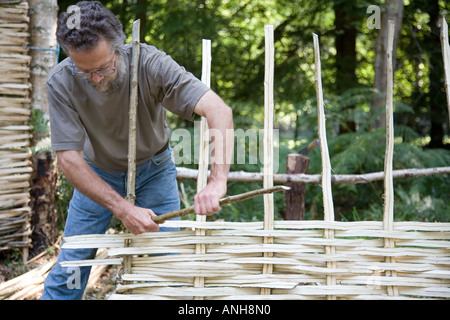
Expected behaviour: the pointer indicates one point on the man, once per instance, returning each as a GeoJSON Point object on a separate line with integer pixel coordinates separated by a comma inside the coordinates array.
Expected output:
{"type": "Point", "coordinates": [88, 96]}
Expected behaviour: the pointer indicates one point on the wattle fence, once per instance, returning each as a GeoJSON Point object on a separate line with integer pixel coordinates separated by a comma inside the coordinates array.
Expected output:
{"type": "Point", "coordinates": [271, 259]}
{"type": "Point", "coordinates": [15, 129]}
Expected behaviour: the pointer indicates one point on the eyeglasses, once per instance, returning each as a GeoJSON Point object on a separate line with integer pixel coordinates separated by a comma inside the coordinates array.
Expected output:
{"type": "Point", "coordinates": [88, 75]}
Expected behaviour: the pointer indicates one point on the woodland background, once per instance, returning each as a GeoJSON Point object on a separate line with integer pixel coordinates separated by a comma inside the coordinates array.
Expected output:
{"type": "Point", "coordinates": [352, 76]}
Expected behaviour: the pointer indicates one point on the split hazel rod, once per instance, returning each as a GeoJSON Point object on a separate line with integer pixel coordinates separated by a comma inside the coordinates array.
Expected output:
{"type": "Point", "coordinates": [132, 113]}
{"type": "Point", "coordinates": [223, 201]}
{"type": "Point", "coordinates": [446, 58]}
{"type": "Point", "coordinates": [326, 164]}
{"type": "Point", "coordinates": [131, 174]}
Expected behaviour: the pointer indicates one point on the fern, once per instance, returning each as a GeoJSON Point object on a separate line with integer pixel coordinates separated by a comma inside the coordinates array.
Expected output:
{"type": "Point", "coordinates": [42, 145]}
{"type": "Point", "coordinates": [420, 199]}
{"type": "Point", "coordinates": [41, 131]}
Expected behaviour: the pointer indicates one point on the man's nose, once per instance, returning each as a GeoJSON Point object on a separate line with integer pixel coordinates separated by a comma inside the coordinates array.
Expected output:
{"type": "Point", "coordinates": [96, 77]}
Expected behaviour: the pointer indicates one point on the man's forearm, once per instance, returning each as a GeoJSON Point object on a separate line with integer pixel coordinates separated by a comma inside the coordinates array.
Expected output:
{"type": "Point", "coordinates": [220, 123]}
{"type": "Point", "coordinates": [221, 129]}
{"type": "Point", "coordinates": [85, 180]}
{"type": "Point", "coordinates": [222, 137]}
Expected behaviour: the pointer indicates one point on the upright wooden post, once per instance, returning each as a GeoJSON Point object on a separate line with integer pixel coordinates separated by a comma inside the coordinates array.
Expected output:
{"type": "Point", "coordinates": [204, 155]}
{"type": "Point", "coordinates": [44, 56]}
{"type": "Point", "coordinates": [326, 165]}
{"type": "Point", "coordinates": [131, 180]}
{"type": "Point", "coordinates": [132, 114]}
{"type": "Point", "coordinates": [268, 145]}
{"type": "Point", "coordinates": [446, 56]}
{"type": "Point", "coordinates": [295, 197]}
{"type": "Point", "coordinates": [388, 215]}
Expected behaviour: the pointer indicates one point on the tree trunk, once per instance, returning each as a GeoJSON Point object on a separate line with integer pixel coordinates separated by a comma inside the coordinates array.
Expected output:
{"type": "Point", "coordinates": [43, 202]}
{"type": "Point", "coordinates": [393, 11]}
{"type": "Point", "coordinates": [43, 17]}
{"type": "Point", "coordinates": [436, 93]}
{"type": "Point", "coordinates": [345, 41]}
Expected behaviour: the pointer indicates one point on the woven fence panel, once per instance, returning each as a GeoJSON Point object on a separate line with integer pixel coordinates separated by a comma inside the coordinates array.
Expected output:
{"type": "Point", "coordinates": [164, 265]}
{"type": "Point", "coordinates": [15, 130]}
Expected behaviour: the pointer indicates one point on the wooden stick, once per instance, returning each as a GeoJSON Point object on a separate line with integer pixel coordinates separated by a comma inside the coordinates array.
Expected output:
{"type": "Point", "coordinates": [268, 143]}
{"type": "Point", "coordinates": [326, 165]}
{"type": "Point", "coordinates": [131, 183]}
{"type": "Point", "coordinates": [223, 201]}
{"type": "Point", "coordinates": [388, 215]}
{"type": "Point", "coordinates": [132, 114]}
{"type": "Point", "coordinates": [446, 56]}
{"type": "Point", "coordinates": [202, 179]}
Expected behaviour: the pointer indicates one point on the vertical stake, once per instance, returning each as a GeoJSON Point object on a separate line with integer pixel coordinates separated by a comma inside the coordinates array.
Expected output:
{"type": "Point", "coordinates": [268, 144]}
{"type": "Point", "coordinates": [446, 56]}
{"type": "Point", "coordinates": [132, 128]}
{"type": "Point", "coordinates": [202, 178]}
{"type": "Point", "coordinates": [388, 215]}
{"type": "Point", "coordinates": [326, 164]}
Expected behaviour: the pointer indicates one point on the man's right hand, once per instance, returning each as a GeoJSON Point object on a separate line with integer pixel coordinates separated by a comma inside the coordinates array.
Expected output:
{"type": "Point", "coordinates": [138, 220]}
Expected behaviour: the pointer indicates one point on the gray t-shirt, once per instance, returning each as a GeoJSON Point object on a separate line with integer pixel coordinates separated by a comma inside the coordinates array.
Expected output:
{"type": "Point", "coordinates": [82, 118]}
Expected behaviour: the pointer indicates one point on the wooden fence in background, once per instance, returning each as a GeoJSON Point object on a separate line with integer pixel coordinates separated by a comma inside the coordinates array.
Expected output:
{"type": "Point", "coordinates": [15, 130]}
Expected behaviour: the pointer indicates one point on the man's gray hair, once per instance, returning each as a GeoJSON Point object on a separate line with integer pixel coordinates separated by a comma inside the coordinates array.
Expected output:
{"type": "Point", "coordinates": [95, 23]}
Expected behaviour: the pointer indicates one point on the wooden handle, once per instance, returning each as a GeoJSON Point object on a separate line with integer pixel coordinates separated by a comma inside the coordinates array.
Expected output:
{"type": "Point", "coordinates": [223, 201]}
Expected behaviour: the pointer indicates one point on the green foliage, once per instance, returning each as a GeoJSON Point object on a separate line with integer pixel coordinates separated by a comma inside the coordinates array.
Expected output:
{"type": "Point", "coordinates": [419, 199]}
{"type": "Point", "coordinates": [39, 122]}
{"type": "Point", "coordinates": [236, 28]}
{"type": "Point", "coordinates": [40, 131]}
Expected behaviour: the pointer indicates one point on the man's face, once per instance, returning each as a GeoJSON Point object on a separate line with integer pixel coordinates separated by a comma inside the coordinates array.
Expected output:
{"type": "Point", "coordinates": [100, 58]}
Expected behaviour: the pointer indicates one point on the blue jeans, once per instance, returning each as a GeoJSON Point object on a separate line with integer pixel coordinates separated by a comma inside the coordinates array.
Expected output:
{"type": "Point", "coordinates": [156, 189]}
